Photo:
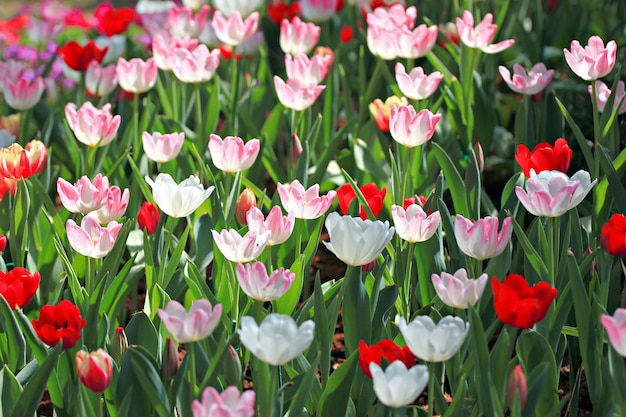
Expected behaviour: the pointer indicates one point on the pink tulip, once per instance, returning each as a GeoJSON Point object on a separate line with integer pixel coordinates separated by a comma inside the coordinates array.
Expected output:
{"type": "Point", "coordinates": [594, 60]}
{"type": "Point", "coordinates": [306, 204]}
{"type": "Point", "coordinates": [23, 94]}
{"type": "Point", "coordinates": [195, 66]}
{"type": "Point", "coordinates": [534, 82]}
{"type": "Point", "coordinates": [114, 207]}
{"type": "Point", "coordinates": [234, 30]}
{"type": "Point", "coordinates": [255, 282]}
{"type": "Point", "coordinates": [231, 154]}
{"type": "Point", "coordinates": [136, 76]}
{"type": "Point", "coordinates": [318, 10]}
{"type": "Point", "coordinates": [480, 239]}
{"type": "Point", "coordinates": [385, 28]}
{"type": "Point", "coordinates": [294, 95]}
{"type": "Point", "coordinates": [413, 225]}
{"type": "Point", "coordinates": [192, 326]}
{"type": "Point", "coordinates": [90, 239]}
{"type": "Point", "coordinates": [480, 37]}
{"type": "Point", "coordinates": [417, 85]}
{"type": "Point", "coordinates": [616, 329]}
{"type": "Point", "coordinates": [298, 36]}
{"type": "Point", "coordinates": [162, 147]}
{"type": "Point", "coordinates": [410, 128]}
{"type": "Point", "coordinates": [237, 248]}
{"type": "Point", "coordinates": [603, 92]}
{"type": "Point", "coordinates": [382, 42]}
{"type": "Point", "coordinates": [99, 80]}
{"type": "Point", "coordinates": [279, 226]}
{"type": "Point", "coordinates": [42, 31]}
{"type": "Point", "coordinates": [92, 126]}
{"type": "Point", "coordinates": [84, 196]}
{"type": "Point", "coordinates": [517, 386]}
{"type": "Point", "coordinates": [393, 17]}
{"type": "Point", "coordinates": [183, 24]}
{"type": "Point", "coordinates": [95, 369]}
{"type": "Point", "coordinates": [457, 290]}
{"type": "Point", "coordinates": [227, 404]}
{"type": "Point", "coordinates": [308, 72]}
{"type": "Point", "coordinates": [163, 46]}
{"type": "Point", "coordinates": [417, 42]}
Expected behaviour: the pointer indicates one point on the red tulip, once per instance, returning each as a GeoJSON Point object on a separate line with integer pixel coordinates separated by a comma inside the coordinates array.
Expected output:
{"type": "Point", "coordinates": [95, 369]}
{"type": "Point", "coordinates": [59, 323]}
{"type": "Point", "coordinates": [384, 349]}
{"type": "Point", "coordinates": [18, 285]}
{"type": "Point", "coordinates": [78, 57]}
{"type": "Point", "coordinates": [613, 235]}
{"type": "Point", "coordinates": [346, 34]}
{"type": "Point", "coordinates": [374, 197]}
{"type": "Point", "coordinates": [148, 217]}
{"type": "Point", "coordinates": [3, 241]}
{"type": "Point", "coordinates": [520, 305]}
{"type": "Point", "coordinates": [110, 21]}
{"type": "Point", "coordinates": [517, 386]}
{"type": "Point", "coordinates": [544, 157]}
{"type": "Point", "coordinates": [277, 11]}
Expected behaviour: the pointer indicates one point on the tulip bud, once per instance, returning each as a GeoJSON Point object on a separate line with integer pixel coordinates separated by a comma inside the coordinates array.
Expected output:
{"type": "Point", "coordinates": [480, 156]}
{"type": "Point", "coordinates": [516, 387]}
{"type": "Point", "coordinates": [367, 268]}
{"type": "Point", "coordinates": [246, 201]}
{"type": "Point", "coordinates": [118, 345]}
{"type": "Point", "coordinates": [171, 362]}
{"type": "Point", "coordinates": [3, 243]}
{"type": "Point", "coordinates": [232, 367]}
{"type": "Point", "coordinates": [295, 150]}
{"type": "Point", "coordinates": [95, 369]}
{"type": "Point", "coordinates": [148, 217]}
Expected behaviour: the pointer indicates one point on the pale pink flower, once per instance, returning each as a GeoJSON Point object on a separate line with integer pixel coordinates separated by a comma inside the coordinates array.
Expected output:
{"type": "Point", "coordinates": [616, 329]}
{"type": "Point", "coordinates": [382, 42]}
{"type": "Point", "coordinates": [100, 80]}
{"type": "Point", "coordinates": [244, 7]}
{"type": "Point", "coordinates": [308, 71]}
{"type": "Point", "coordinates": [396, 16]}
{"type": "Point", "coordinates": [533, 82]}
{"type": "Point", "coordinates": [480, 239]}
{"type": "Point", "coordinates": [298, 36]}
{"type": "Point", "coordinates": [136, 76]}
{"type": "Point", "coordinates": [416, 84]}
{"type": "Point", "coordinates": [318, 10]}
{"type": "Point", "coordinates": [234, 30]}
{"type": "Point", "coordinates": [416, 43]}
{"type": "Point", "coordinates": [385, 28]}
{"type": "Point", "coordinates": [23, 94]}
{"type": "Point", "coordinates": [90, 239]}
{"type": "Point", "coordinates": [412, 224]}
{"type": "Point", "coordinates": [594, 60]}
{"type": "Point", "coordinates": [42, 31]}
{"type": "Point", "coordinates": [90, 125]}
{"type": "Point", "coordinates": [114, 207]}
{"type": "Point", "coordinates": [279, 226]}
{"type": "Point", "coordinates": [162, 148]}
{"type": "Point", "coordinates": [178, 199]}
{"type": "Point", "coordinates": [231, 154]}
{"type": "Point", "coordinates": [194, 4]}
{"type": "Point", "coordinates": [164, 45]}
{"type": "Point", "coordinates": [229, 403]}
{"type": "Point", "coordinates": [294, 95]}
{"type": "Point", "coordinates": [84, 196]}
{"type": "Point", "coordinates": [410, 128]}
{"type": "Point", "coordinates": [195, 66]}
{"type": "Point", "coordinates": [481, 36]}
{"type": "Point", "coordinates": [306, 204]}
{"type": "Point", "coordinates": [553, 193]}
{"type": "Point", "coordinates": [257, 284]}
{"type": "Point", "coordinates": [603, 92]}
{"type": "Point", "coordinates": [457, 290]}
{"type": "Point", "coordinates": [237, 248]}
{"type": "Point", "coordinates": [192, 326]}
{"type": "Point", "coordinates": [183, 23]}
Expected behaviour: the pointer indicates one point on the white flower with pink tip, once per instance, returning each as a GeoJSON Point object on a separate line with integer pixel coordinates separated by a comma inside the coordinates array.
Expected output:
{"type": "Point", "coordinates": [305, 203]}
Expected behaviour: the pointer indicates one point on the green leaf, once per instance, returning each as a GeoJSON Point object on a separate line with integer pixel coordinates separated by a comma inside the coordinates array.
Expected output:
{"type": "Point", "coordinates": [453, 179]}
{"type": "Point", "coordinates": [336, 395]}
{"type": "Point", "coordinates": [150, 382]}
{"type": "Point", "coordinates": [357, 322]}
{"type": "Point", "coordinates": [582, 142]}
{"type": "Point", "coordinates": [18, 229]}
{"type": "Point", "coordinates": [481, 354]}
{"type": "Point", "coordinates": [141, 331]}
{"type": "Point", "coordinates": [304, 386]}
{"type": "Point", "coordinates": [530, 252]}
{"type": "Point", "coordinates": [10, 390]}
{"type": "Point", "coordinates": [16, 343]}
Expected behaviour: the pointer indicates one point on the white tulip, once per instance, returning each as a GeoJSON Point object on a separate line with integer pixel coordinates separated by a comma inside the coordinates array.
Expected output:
{"type": "Point", "coordinates": [178, 200]}
{"type": "Point", "coordinates": [398, 386]}
{"type": "Point", "coordinates": [434, 343]}
{"type": "Point", "coordinates": [244, 7]}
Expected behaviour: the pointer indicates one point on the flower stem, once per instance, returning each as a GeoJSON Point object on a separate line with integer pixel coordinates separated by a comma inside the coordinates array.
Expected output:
{"type": "Point", "coordinates": [192, 371]}
{"type": "Point", "coordinates": [167, 229]}
{"type": "Point", "coordinates": [431, 389]}
{"type": "Point", "coordinates": [199, 121]}
{"type": "Point", "coordinates": [136, 140]}
{"type": "Point", "coordinates": [234, 87]}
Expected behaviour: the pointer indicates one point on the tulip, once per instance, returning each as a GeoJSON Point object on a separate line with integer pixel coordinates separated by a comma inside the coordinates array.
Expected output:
{"type": "Point", "coordinates": [84, 196]}
{"type": "Point", "coordinates": [434, 343]}
{"type": "Point", "coordinates": [481, 36]}
{"type": "Point", "coordinates": [116, 45]}
{"type": "Point", "coordinates": [398, 386]}
{"type": "Point", "coordinates": [356, 241]}
{"type": "Point", "coordinates": [553, 193]}
{"type": "Point", "coordinates": [318, 10]}
{"type": "Point", "coordinates": [11, 123]}
{"type": "Point", "coordinates": [92, 126]}
{"type": "Point", "coordinates": [279, 226]}
{"type": "Point", "coordinates": [178, 200]}
{"type": "Point", "coordinates": [41, 31]}
{"type": "Point", "coordinates": [306, 204]}
{"type": "Point", "coordinates": [458, 290]}
{"type": "Point", "coordinates": [416, 43]}
{"type": "Point", "coordinates": [602, 96]}
{"type": "Point", "coordinates": [148, 217]}
{"type": "Point", "coordinates": [231, 154]}
{"type": "Point", "coordinates": [196, 66]}
{"type": "Point", "coordinates": [296, 96]}
{"type": "Point", "coordinates": [382, 42]}
{"type": "Point", "coordinates": [516, 387]}
{"type": "Point", "coordinates": [416, 85]}
{"type": "Point", "coordinates": [295, 149]}
{"type": "Point", "coordinates": [162, 147]}
{"type": "Point", "coordinates": [518, 304]}
{"type": "Point", "coordinates": [244, 7]}
{"type": "Point", "coordinates": [373, 196]}
{"type": "Point", "coordinates": [17, 162]}
{"type": "Point", "coordinates": [99, 80]}
{"type": "Point", "coordinates": [229, 403]}
{"type": "Point", "coordinates": [3, 243]}
{"type": "Point", "coordinates": [163, 47]}
{"type": "Point", "coordinates": [90, 239]}
{"type": "Point", "coordinates": [78, 57]}
{"type": "Point", "coordinates": [544, 157]}
{"type": "Point", "coordinates": [412, 129]}
{"type": "Point", "coordinates": [194, 4]}
{"type": "Point", "coordinates": [192, 326]}
{"type": "Point", "coordinates": [413, 224]}
{"type": "Point", "coordinates": [111, 21]}
{"type": "Point", "coordinates": [384, 349]}
{"type": "Point", "coordinates": [533, 82]}
{"type": "Point", "coordinates": [278, 339]}
{"type": "Point", "coordinates": [594, 60]}
{"type": "Point", "coordinates": [170, 362]}
{"type": "Point", "coordinates": [346, 34]}
{"type": "Point", "coordinates": [613, 235]}
{"type": "Point", "coordinates": [136, 76]}
{"type": "Point", "coordinates": [95, 369]}
{"type": "Point", "coordinates": [234, 30]}
{"type": "Point", "coordinates": [59, 323]}
{"type": "Point", "coordinates": [23, 94]}
{"type": "Point", "coordinates": [18, 286]}
{"type": "Point", "coordinates": [245, 202]}
{"type": "Point", "coordinates": [114, 207]}
{"type": "Point", "coordinates": [616, 329]}
{"type": "Point", "coordinates": [278, 11]}
{"type": "Point", "coordinates": [395, 16]}
{"type": "Point", "coordinates": [255, 282]}
{"type": "Point", "coordinates": [380, 111]}
{"type": "Point", "coordinates": [119, 345]}
{"type": "Point", "coordinates": [308, 72]}
{"type": "Point", "coordinates": [237, 248]}
{"type": "Point", "coordinates": [480, 239]}
{"type": "Point", "coordinates": [298, 36]}
{"type": "Point", "coordinates": [184, 24]}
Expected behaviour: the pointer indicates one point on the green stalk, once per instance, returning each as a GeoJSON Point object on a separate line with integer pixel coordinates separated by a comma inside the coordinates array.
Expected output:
{"type": "Point", "coordinates": [234, 86]}
{"type": "Point", "coordinates": [135, 140]}
{"type": "Point", "coordinates": [232, 277]}
{"type": "Point", "coordinates": [174, 98]}
{"type": "Point", "coordinates": [167, 229]}
{"type": "Point", "coordinates": [192, 371]}
{"type": "Point", "coordinates": [23, 128]}
{"type": "Point", "coordinates": [89, 276]}
{"type": "Point", "coordinates": [199, 121]}
{"type": "Point", "coordinates": [596, 156]}
{"type": "Point", "coordinates": [406, 287]}
{"type": "Point", "coordinates": [432, 383]}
